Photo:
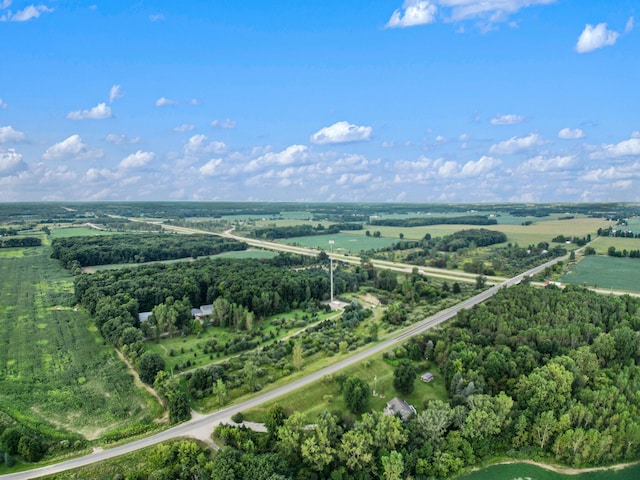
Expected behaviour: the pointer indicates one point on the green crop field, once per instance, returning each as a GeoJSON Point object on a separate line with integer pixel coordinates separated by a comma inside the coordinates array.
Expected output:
{"type": "Point", "coordinates": [55, 371]}
{"type": "Point", "coordinates": [602, 244]}
{"type": "Point", "coordinates": [606, 272]}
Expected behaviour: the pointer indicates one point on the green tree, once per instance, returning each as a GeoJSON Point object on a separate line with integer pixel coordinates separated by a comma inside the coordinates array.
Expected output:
{"type": "Point", "coordinates": [404, 377]}
{"type": "Point", "coordinates": [356, 393]}
{"type": "Point", "coordinates": [149, 365]}
{"type": "Point", "coordinates": [392, 466]}
{"type": "Point", "coordinates": [297, 360]}
{"type": "Point", "coordinates": [250, 374]}
{"type": "Point", "coordinates": [276, 416]}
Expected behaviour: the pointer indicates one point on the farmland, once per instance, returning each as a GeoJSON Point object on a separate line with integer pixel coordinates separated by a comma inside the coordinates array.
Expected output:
{"type": "Point", "coordinates": [606, 272]}
{"type": "Point", "coordinates": [57, 377]}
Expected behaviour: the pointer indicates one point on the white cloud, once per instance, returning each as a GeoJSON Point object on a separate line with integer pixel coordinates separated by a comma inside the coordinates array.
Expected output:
{"type": "Point", "coordinates": [9, 134]}
{"type": "Point", "coordinates": [420, 12]}
{"type": "Point", "coordinates": [569, 134]}
{"type": "Point", "coordinates": [156, 17]}
{"type": "Point", "coordinates": [136, 160]}
{"type": "Point", "coordinates": [165, 102]}
{"type": "Point", "coordinates": [72, 148]}
{"type": "Point", "coordinates": [510, 119]}
{"type": "Point", "coordinates": [516, 144]}
{"type": "Point", "coordinates": [227, 124]}
{"type": "Point", "coordinates": [593, 38]}
{"type": "Point", "coordinates": [289, 156]}
{"type": "Point", "coordinates": [99, 112]}
{"type": "Point", "coordinates": [3, 105]}
{"type": "Point", "coordinates": [481, 167]}
{"type": "Point", "coordinates": [412, 13]}
{"type": "Point", "coordinates": [197, 145]}
{"type": "Point", "coordinates": [121, 139]}
{"type": "Point", "coordinates": [5, 4]}
{"type": "Point", "coordinates": [185, 127]}
{"type": "Point", "coordinates": [544, 164]}
{"type": "Point", "coordinates": [11, 162]}
{"type": "Point", "coordinates": [625, 148]}
{"type": "Point", "coordinates": [635, 134]}
{"type": "Point", "coordinates": [210, 168]}
{"type": "Point", "coordinates": [341, 132]}
{"type": "Point", "coordinates": [115, 93]}
{"type": "Point", "coordinates": [465, 137]}
{"type": "Point", "coordinates": [28, 13]}
{"type": "Point", "coordinates": [629, 26]}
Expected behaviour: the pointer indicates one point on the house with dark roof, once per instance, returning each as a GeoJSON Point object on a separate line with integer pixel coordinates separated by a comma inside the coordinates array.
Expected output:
{"type": "Point", "coordinates": [426, 377]}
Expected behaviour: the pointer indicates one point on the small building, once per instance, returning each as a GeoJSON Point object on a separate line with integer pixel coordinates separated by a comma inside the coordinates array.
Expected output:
{"type": "Point", "coordinates": [207, 310]}
{"type": "Point", "coordinates": [197, 313]}
{"type": "Point", "coordinates": [397, 406]}
{"type": "Point", "coordinates": [426, 377]}
{"type": "Point", "coordinates": [144, 316]}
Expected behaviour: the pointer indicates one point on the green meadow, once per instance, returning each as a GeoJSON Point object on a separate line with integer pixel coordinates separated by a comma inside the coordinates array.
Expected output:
{"type": "Point", "coordinates": [605, 272]}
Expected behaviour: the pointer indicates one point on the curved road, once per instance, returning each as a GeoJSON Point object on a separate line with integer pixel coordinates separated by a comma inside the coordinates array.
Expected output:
{"type": "Point", "coordinates": [208, 421]}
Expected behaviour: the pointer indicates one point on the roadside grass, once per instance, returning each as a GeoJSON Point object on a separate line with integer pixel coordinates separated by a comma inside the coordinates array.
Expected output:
{"type": "Point", "coordinates": [602, 244]}
{"type": "Point", "coordinates": [55, 371]}
{"type": "Point", "coordinates": [605, 272]}
{"type": "Point", "coordinates": [376, 371]}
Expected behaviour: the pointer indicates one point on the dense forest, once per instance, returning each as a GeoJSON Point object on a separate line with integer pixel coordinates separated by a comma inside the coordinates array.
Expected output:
{"type": "Point", "coordinates": [20, 242]}
{"type": "Point", "coordinates": [76, 252]}
{"type": "Point", "coordinates": [271, 233]}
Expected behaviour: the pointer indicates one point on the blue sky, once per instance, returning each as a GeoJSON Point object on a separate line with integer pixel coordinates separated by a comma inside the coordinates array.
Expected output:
{"type": "Point", "coordinates": [389, 100]}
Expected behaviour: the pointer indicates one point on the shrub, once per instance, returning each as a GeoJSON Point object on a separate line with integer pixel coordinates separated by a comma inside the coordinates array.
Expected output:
{"type": "Point", "coordinates": [237, 417]}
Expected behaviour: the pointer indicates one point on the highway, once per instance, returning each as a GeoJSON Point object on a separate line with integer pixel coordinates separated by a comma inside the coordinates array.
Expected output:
{"type": "Point", "coordinates": [207, 422]}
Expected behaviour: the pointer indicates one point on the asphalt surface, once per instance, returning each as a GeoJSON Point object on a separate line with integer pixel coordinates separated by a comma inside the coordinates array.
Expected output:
{"type": "Point", "coordinates": [204, 422]}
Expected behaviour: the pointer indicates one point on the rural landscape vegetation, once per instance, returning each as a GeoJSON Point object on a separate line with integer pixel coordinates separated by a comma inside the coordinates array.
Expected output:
{"type": "Point", "coordinates": [125, 321]}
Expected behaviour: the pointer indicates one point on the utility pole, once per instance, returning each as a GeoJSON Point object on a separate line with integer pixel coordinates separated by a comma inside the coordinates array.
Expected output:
{"type": "Point", "coordinates": [331, 268]}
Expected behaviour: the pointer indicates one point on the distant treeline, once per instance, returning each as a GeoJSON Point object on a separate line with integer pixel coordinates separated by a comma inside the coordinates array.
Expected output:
{"type": "Point", "coordinates": [480, 237]}
{"type": "Point", "coordinates": [76, 252]}
{"type": "Point", "coordinates": [123, 224]}
{"type": "Point", "coordinates": [270, 233]}
{"type": "Point", "coordinates": [20, 242]}
{"type": "Point", "coordinates": [428, 221]}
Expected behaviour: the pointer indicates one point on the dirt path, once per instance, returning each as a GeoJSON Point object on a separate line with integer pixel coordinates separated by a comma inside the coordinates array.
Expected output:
{"type": "Point", "coordinates": [141, 384]}
{"type": "Point", "coordinates": [569, 470]}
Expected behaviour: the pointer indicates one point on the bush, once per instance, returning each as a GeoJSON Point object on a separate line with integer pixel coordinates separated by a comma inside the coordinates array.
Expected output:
{"type": "Point", "coordinates": [237, 417]}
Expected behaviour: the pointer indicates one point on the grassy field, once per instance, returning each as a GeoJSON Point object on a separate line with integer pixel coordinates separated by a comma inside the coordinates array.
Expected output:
{"type": "Point", "coordinates": [78, 232]}
{"type": "Point", "coordinates": [55, 371]}
{"type": "Point", "coordinates": [515, 471]}
{"type": "Point", "coordinates": [258, 254]}
{"type": "Point", "coordinates": [602, 244]}
{"type": "Point", "coordinates": [606, 272]}
{"type": "Point", "coordinates": [377, 372]}
{"type": "Point", "coordinates": [344, 242]}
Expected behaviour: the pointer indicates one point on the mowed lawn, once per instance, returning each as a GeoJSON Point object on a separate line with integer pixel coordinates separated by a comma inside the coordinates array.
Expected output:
{"type": "Point", "coordinates": [606, 272]}
{"type": "Point", "coordinates": [55, 370]}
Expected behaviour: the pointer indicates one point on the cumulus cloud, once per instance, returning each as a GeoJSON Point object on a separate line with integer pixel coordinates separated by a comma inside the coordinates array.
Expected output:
{"type": "Point", "coordinates": [289, 156]}
{"type": "Point", "coordinates": [625, 148]}
{"type": "Point", "coordinates": [510, 119]}
{"type": "Point", "coordinates": [516, 145]}
{"type": "Point", "coordinates": [165, 102]}
{"type": "Point", "coordinates": [635, 134]}
{"type": "Point", "coordinates": [210, 168]}
{"type": "Point", "coordinates": [412, 13]}
{"type": "Point", "coordinates": [341, 132]}
{"type": "Point", "coordinates": [9, 134]}
{"type": "Point", "coordinates": [99, 112]}
{"type": "Point", "coordinates": [481, 167]}
{"type": "Point", "coordinates": [593, 38]}
{"type": "Point", "coordinates": [136, 160]}
{"type": "Point", "coordinates": [28, 13]}
{"type": "Point", "coordinates": [185, 127]}
{"type": "Point", "coordinates": [197, 145]}
{"type": "Point", "coordinates": [121, 139]}
{"type": "Point", "coordinates": [569, 134]}
{"type": "Point", "coordinates": [227, 124]}
{"type": "Point", "coordinates": [115, 93]}
{"type": "Point", "coordinates": [72, 148]}
{"type": "Point", "coordinates": [543, 164]}
{"type": "Point", "coordinates": [11, 162]}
